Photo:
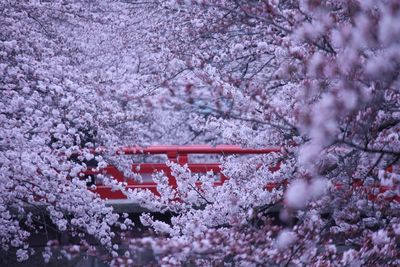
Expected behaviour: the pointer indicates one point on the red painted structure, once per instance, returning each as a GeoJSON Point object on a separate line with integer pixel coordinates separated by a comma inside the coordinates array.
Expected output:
{"type": "Point", "coordinates": [180, 154]}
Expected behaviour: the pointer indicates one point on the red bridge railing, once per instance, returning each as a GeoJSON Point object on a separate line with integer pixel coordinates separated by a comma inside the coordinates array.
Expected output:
{"type": "Point", "coordinates": [180, 155]}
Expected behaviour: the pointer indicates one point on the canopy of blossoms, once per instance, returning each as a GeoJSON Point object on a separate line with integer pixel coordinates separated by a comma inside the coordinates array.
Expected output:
{"type": "Point", "coordinates": [320, 79]}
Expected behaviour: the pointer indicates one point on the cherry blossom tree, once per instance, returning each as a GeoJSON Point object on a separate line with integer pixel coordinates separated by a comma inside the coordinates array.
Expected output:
{"type": "Point", "coordinates": [56, 101]}
{"type": "Point", "coordinates": [317, 78]}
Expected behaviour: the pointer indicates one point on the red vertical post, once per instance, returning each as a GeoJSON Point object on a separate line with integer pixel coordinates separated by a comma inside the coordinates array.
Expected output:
{"type": "Point", "coordinates": [172, 156]}
{"type": "Point", "coordinates": [183, 159]}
